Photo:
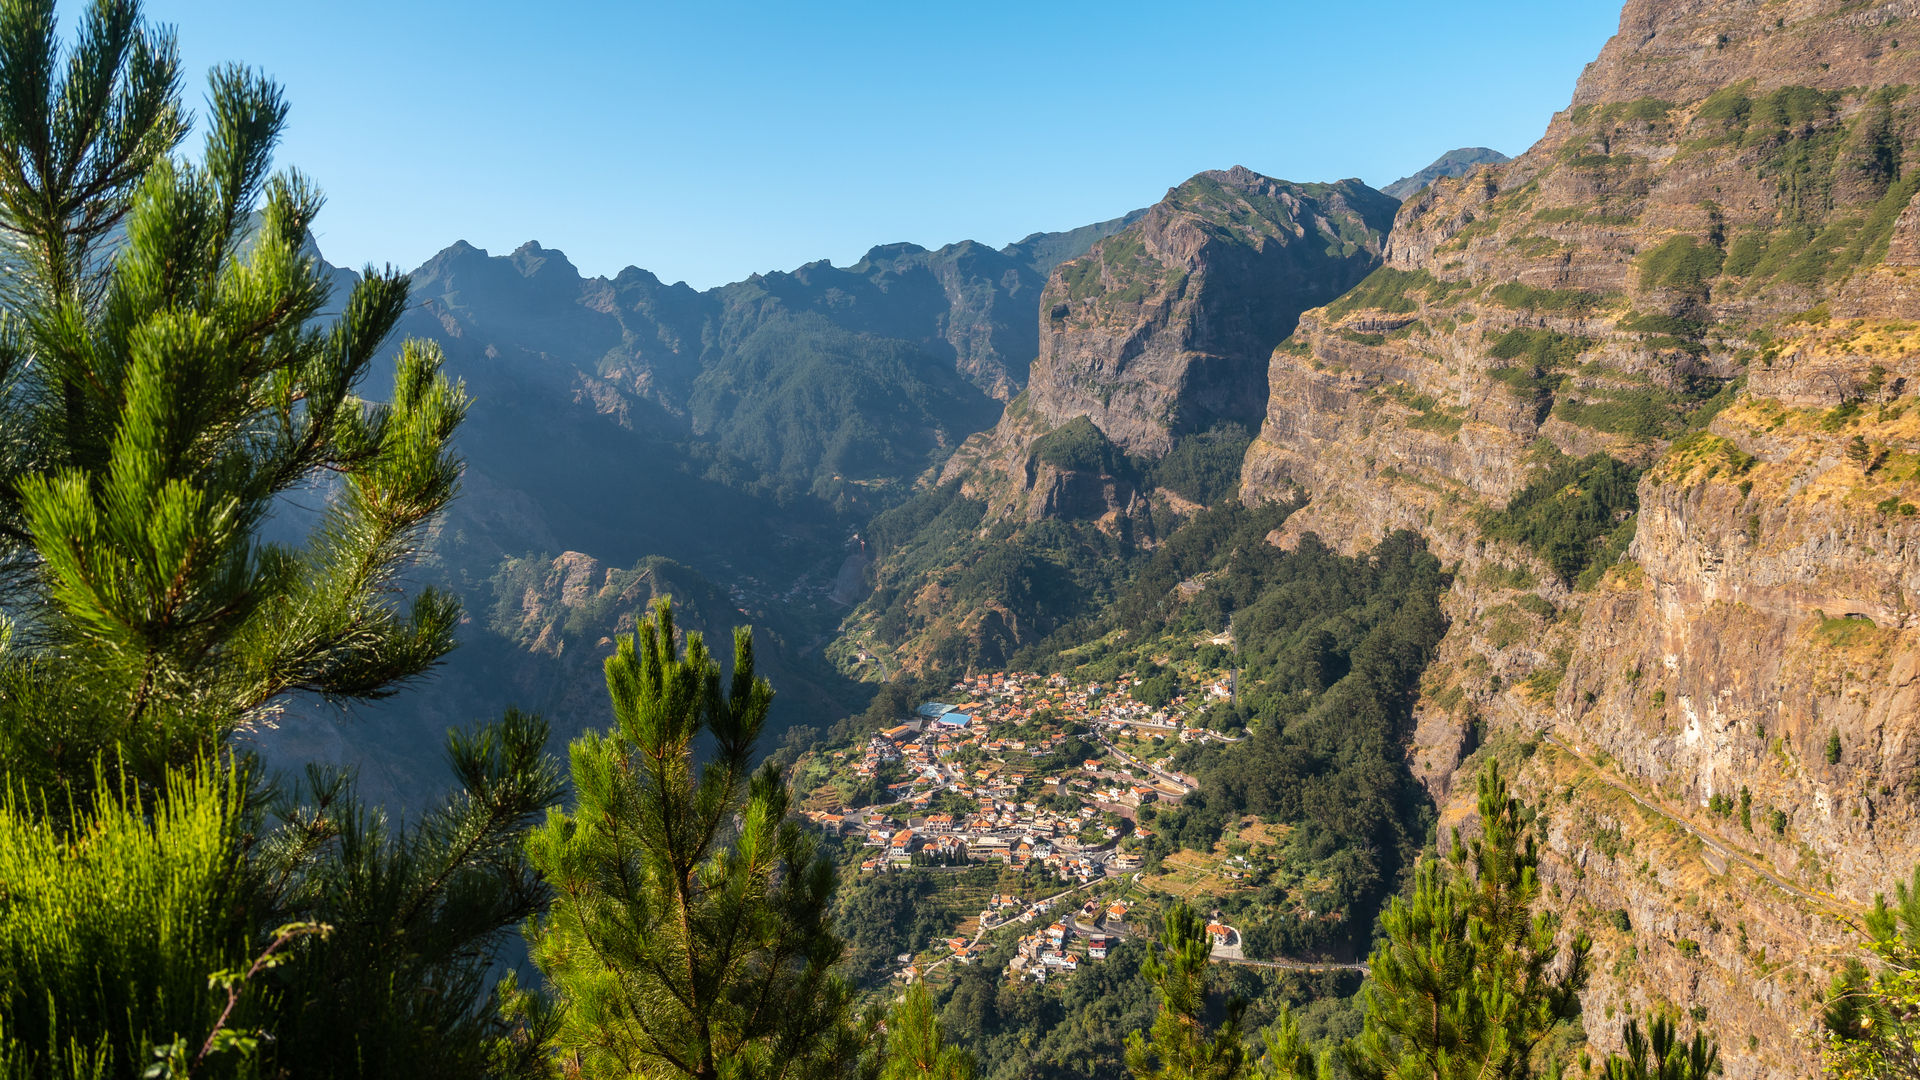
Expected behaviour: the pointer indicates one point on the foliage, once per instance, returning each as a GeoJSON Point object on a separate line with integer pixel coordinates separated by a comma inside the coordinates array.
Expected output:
{"type": "Point", "coordinates": [1331, 655]}
{"type": "Point", "coordinates": [807, 406]}
{"type": "Point", "coordinates": [1543, 355]}
{"type": "Point", "coordinates": [1204, 467]}
{"type": "Point", "coordinates": [1288, 1055]}
{"type": "Point", "coordinates": [1026, 581]}
{"type": "Point", "coordinates": [1551, 301]}
{"type": "Point", "coordinates": [1395, 292]}
{"type": "Point", "coordinates": [173, 1057]}
{"type": "Point", "coordinates": [1871, 1020]}
{"type": "Point", "coordinates": [689, 932]}
{"type": "Point", "coordinates": [168, 416]}
{"type": "Point", "coordinates": [1660, 1054]}
{"type": "Point", "coordinates": [882, 915]}
{"type": "Point", "coordinates": [916, 1049]}
{"type": "Point", "coordinates": [1079, 446]}
{"type": "Point", "coordinates": [107, 945]}
{"type": "Point", "coordinates": [1179, 1046]}
{"type": "Point", "coordinates": [1572, 513]}
{"type": "Point", "coordinates": [1158, 691]}
{"type": "Point", "coordinates": [1461, 985]}
{"type": "Point", "coordinates": [182, 387]}
{"type": "Point", "coordinates": [1681, 263]}
{"type": "Point", "coordinates": [1069, 1029]}
{"type": "Point", "coordinates": [418, 911]}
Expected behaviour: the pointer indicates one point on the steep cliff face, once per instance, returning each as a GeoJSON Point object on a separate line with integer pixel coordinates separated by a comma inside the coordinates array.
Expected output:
{"type": "Point", "coordinates": [1160, 332]}
{"type": "Point", "coordinates": [1152, 371]}
{"type": "Point", "coordinates": [1162, 329]}
{"type": "Point", "coordinates": [1702, 272]}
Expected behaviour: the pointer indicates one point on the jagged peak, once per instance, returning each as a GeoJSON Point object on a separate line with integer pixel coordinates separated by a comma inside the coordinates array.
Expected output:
{"type": "Point", "coordinates": [533, 260]}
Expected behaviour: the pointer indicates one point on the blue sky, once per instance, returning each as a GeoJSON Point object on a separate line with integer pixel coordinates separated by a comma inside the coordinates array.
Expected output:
{"type": "Point", "coordinates": [705, 141]}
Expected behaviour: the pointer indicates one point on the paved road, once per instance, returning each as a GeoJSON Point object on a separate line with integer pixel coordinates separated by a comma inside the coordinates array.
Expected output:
{"type": "Point", "coordinates": [1706, 838]}
{"type": "Point", "coordinates": [1291, 965]}
{"type": "Point", "coordinates": [1171, 778]}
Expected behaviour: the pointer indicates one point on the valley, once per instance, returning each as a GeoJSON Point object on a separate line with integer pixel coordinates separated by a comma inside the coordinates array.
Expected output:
{"type": "Point", "coordinates": [1245, 528]}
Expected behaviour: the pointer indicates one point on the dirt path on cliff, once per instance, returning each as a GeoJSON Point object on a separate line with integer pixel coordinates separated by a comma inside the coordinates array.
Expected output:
{"type": "Point", "coordinates": [1713, 843]}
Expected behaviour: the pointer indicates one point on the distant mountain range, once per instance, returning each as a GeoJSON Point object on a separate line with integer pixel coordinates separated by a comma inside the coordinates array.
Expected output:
{"type": "Point", "coordinates": [631, 438]}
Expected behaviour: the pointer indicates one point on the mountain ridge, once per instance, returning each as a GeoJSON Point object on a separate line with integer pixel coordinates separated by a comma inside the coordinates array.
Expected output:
{"type": "Point", "coordinates": [1615, 382]}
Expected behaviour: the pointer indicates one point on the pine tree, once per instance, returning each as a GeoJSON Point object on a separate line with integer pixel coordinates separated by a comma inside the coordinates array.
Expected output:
{"type": "Point", "coordinates": [689, 933]}
{"type": "Point", "coordinates": [1660, 1054]}
{"type": "Point", "coordinates": [1287, 1054]}
{"type": "Point", "coordinates": [1462, 986]}
{"type": "Point", "coordinates": [1860, 453]}
{"type": "Point", "coordinates": [166, 381]}
{"type": "Point", "coordinates": [915, 1048]}
{"type": "Point", "coordinates": [1179, 1046]}
{"type": "Point", "coordinates": [161, 399]}
{"type": "Point", "coordinates": [1871, 1021]}
{"type": "Point", "coordinates": [417, 914]}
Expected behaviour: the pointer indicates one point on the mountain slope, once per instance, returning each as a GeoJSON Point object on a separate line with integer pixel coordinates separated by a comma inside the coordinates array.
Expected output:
{"type": "Point", "coordinates": [1151, 370]}
{"type": "Point", "coordinates": [719, 444]}
{"type": "Point", "coordinates": [1649, 385]}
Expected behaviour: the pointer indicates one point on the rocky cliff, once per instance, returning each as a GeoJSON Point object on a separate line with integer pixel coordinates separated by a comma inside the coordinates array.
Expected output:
{"type": "Point", "coordinates": [1697, 281]}
{"type": "Point", "coordinates": [1151, 372]}
{"type": "Point", "coordinates": [1160, 333]}
{"type": "Point", "coordinates": [1162, 329]}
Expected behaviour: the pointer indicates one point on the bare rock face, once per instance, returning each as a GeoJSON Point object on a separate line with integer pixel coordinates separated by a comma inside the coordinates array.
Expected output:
{"type": "Point", "coordinates": [1159, 332]}
{"type": "Point", "coordinates": [1708, 269]}
{"type": "Point", "coordinates": [1164, 328]}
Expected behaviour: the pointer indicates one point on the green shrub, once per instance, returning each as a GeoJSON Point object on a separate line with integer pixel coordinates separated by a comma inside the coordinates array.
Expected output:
{"type": "Point", "coordinates": [1545, 348]}
{"type": "Point", "coordinates": [1664, 325]}
{"type": "Point", "coordinates": [1204, 468]}
{"type": "Point", "coordinates": [1681, 263]}
{"type": "Point", "coordinates": [1571, 514]}
{"type": "Point", "coordinates": [1392, 291]}
{"type": "Point", "coordinates": [1557, 301]}
{"type": "Point", "coordinates": [1538, 605]}
{"type": "Point", "coordinates": [1079, 446]}
{"type": "Point", "coordinates": [108, 942]}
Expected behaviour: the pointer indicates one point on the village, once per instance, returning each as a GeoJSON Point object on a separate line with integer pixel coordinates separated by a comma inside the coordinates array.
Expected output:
{"type": "Point", "coordinates": [1033, 773]}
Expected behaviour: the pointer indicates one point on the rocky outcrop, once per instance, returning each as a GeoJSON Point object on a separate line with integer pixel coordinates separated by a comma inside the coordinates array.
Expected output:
{"type": "Point", "coordinates": [1158, 334]}
{"type": "Point", "coordinates": [1702, 270]}
{"type": "Point", "coordinates": [1163, 329]}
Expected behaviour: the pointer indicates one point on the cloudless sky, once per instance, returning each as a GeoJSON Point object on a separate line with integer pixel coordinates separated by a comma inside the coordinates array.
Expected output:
{"type": "Point", "coordinates": [711, 139]}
